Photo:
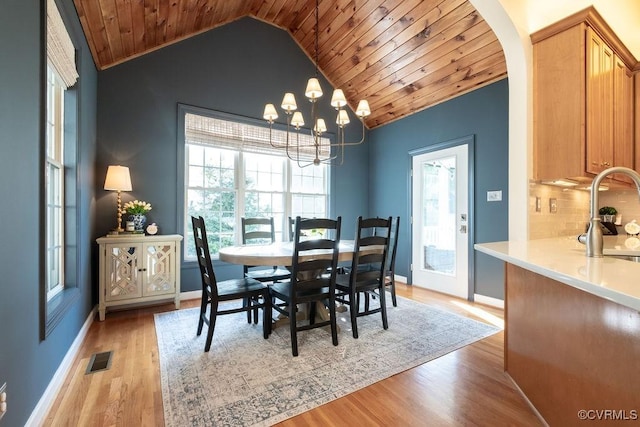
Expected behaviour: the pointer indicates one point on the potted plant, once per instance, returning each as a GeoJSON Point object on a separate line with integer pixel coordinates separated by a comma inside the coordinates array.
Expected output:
{"type": "Point", "coordinates": [137, 210]}
{"type": "Point", "coordinates": [608, 214]}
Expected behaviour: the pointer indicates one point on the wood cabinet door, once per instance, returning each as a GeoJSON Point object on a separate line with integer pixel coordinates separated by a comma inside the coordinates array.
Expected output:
{"type": "Point", "coordinates": [600, 60]}
{"type": "Point", "coordinates": [623, 118]}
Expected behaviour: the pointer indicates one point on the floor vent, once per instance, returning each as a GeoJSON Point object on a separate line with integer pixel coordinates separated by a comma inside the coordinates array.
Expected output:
{"type": "Point", "coordinates": [99, 362]}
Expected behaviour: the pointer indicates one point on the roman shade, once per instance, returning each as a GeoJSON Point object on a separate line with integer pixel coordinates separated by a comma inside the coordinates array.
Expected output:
{"type": "Point", "coordinates": [60, 50]}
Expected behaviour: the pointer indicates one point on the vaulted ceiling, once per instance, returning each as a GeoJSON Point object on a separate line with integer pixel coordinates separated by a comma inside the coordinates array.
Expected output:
{"type": "Point", "coordinates": [401, 55]}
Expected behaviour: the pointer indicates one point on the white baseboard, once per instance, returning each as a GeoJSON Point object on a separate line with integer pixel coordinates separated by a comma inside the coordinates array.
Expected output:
{"type": "Point", "coordinates": [493, 302]}
{"type": "Point", "coordinates": [190, 295]}
{"type": "Point", "coordinates": [49, 396]}
{"type": "Point", "coordinates": [399, 278]}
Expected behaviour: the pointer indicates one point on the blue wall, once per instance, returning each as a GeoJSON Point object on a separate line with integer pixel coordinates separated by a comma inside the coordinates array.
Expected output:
{"type": "Point", "coordinates": [482, 113]}
{"type": "Point", "coordinates": [235, 69]}
{"type": "Point", "coordinates": [127, 114]}
{"type": "Point", "coordinates": [27, 364]}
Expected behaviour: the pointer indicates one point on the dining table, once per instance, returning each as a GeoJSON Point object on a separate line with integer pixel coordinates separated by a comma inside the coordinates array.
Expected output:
{"type": "Point", "coordinates": [277, 253]}
{"type": "Point", "coordinates": [281, 253]}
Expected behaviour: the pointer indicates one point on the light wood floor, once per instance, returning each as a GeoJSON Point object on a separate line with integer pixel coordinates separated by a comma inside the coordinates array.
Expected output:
{"type": "Point", "coordinates": [465, 387]}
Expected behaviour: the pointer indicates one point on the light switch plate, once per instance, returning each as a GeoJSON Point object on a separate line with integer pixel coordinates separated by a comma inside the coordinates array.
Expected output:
{"type": "Point", "coordinates": [494, 196]}
{"type": "Point", "coordinates": [553, 205]}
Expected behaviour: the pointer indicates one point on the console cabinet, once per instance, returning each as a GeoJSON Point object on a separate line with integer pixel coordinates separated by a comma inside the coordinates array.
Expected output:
{"type": "Point", "coordinates": [138, 269]}
{"type": "Point", "coordinates": [583, 100]}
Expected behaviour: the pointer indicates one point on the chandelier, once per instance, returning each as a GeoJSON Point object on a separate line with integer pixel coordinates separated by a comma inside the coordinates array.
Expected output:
{"type": "Point", "coordinates": [313, 148]}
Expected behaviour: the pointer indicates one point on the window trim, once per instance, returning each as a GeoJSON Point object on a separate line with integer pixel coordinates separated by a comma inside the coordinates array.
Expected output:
{"type": "Point", "coordinates": [52, 312]}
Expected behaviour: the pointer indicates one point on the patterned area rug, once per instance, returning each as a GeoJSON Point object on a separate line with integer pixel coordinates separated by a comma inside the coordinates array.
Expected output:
{"type": "Point", "coordinates": [247, 380]}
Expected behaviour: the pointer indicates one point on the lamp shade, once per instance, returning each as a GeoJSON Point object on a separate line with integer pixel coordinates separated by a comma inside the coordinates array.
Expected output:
{"type": "Point", "coordinates": [297, 120]}
{"type": "Point", "coordinates": [343, 118]}
{"type": "Point", "coordinates": [320, 126]}
{"type": "Point", "coordinates": [313, 90]}
{"type": "Point", "coordinates": [338, 100]}
{"type": "Point", "coordinates": [363, 109]}
{"type": "Point", "coordinates": [270, 113]}
{"type": "Point", "coordinates": [118, 179]}
{"type": "Point", "coordinates": [289, 102]}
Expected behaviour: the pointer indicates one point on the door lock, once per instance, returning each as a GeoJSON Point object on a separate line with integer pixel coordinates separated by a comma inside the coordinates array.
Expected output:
{"type": "Point", "coordinates": [463, 229]}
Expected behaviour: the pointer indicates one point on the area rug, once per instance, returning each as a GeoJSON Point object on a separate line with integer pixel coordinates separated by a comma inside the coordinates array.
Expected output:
{"type": "Point", "coordinates": [246, 380]}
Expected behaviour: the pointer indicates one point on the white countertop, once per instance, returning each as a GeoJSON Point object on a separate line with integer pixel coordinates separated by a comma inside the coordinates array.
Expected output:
{"type": "Point", "coordinates": [564, 259]}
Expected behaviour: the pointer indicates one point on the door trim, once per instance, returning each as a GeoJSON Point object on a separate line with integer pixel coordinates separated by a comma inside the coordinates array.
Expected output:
{"type": "Point", "coordinates": [469, 141]}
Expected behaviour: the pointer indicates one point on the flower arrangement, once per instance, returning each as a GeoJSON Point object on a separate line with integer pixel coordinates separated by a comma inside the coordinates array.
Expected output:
{"type": "Point", "coordinates": [136, 207]}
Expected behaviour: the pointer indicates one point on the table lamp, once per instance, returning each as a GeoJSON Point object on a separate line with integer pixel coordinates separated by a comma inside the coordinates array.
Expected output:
{"type": "Point", "coordinates": [118, 179]}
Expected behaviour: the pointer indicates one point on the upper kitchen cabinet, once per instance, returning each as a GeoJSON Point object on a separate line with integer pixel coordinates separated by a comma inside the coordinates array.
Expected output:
{"type": "Point", "coordinates": [583, 99]}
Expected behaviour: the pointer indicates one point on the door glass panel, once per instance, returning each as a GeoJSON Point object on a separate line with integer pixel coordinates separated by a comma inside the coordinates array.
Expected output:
{"type": "Point", "coordinates": [438, 235]}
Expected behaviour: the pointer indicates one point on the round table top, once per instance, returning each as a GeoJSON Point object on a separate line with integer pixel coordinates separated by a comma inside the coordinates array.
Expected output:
{"type": "Point", "coordinates": [278, 253]}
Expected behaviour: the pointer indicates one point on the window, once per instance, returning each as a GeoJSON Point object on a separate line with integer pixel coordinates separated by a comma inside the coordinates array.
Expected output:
{"type": "Point", "coordinates": [231, 171]}
{"type": "Point", "coordinates": [59, 247]}
{"type": "Point", "coordinates": [54, 185]}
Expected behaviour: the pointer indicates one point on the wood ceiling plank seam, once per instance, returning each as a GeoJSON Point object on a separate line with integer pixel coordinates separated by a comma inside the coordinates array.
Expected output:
{"type": "Point", "coordinates": [266, 10]}
{"type": "Point", "coordinates": [181, 27]}
{"type": "Point", "coordinates": [150, 12]}
{"type": "Point", "coordinates": [254, 7]}
{"type": "Point", "coordinates": [138, 25]}
{"type": "Point", "coordinates": [415, 44]}
{"type": "Point", "coordinates": [414, 58]}
{"type": "Point", "coordinates": [284, 9]}
{"type": "Point", "coordinates": [288, 14]}
{"type": "Point", "coordinates": [307, 27]}
{"type": "Point", "coordinates": [190, 21]}
{"type": "Point", "coordinates": [87, 32]}
{"type": "Point", "coordinates": [434, 29]}
{"type": "Point", "coordinates": [125, 25]}
{"type": "Point", "coordinates": [451, 84]}
{"type": "Point", "coordinates": [98, 32]}
{"type": "Point", "coordinates": [431, 22]}
{"type": "Point", "coordinates": [434, 80]}
{"type": "Point", "coordinates": [276, 10]}
{"type": "Point", "coordinates": [162, 16]}
{"type": "Point", "coordinates": [306, 13]}
{"type": "Point", "coordinates": [203, 15]}
{"type": "Point", "coordinates": [422, 78]}
{"type": "Point", "coordinates": [444, 55]}
{"type": "Point", "coordinates": [484, 77]}
{"type": "Point", "coordinates": [328, 17]}
{"type": "Point", "coordinates": [362, 36]}
{"type": "Point", "coordinates": [352, 21]}
{"type": "Point", "coordinates": [213, 14]}
{"type": "Point", "coordinates": [172, 19]}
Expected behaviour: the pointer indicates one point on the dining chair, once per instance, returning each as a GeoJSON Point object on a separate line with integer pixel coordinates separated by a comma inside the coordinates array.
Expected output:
{"type": "Point", "coordinates": [367, 272]}
{"type": "Point", "coordinates": [255, 294]}
{"type": "Point", "coordinates": [308, 285]}
{"type": "Point", "coordinates": [261, 231]}
{"type": "Point", "coordinates": [390, 262]}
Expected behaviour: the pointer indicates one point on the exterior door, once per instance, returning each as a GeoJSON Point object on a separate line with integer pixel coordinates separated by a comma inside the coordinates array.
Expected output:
{"type": "Point", "coordinates": [440, 248]}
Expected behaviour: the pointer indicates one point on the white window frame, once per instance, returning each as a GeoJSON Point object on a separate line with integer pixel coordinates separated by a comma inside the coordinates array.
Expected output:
{"type": "Point", "coordinates": [240, 154]}
{"type": "Point", "coordinates": [54, 184]}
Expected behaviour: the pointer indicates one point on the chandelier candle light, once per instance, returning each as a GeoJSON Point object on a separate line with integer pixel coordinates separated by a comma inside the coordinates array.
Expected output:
{"type": "Point", "coordinates": [313, 92]}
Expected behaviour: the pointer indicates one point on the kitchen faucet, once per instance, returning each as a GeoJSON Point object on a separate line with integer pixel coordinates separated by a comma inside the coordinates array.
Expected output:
{"type": "Point", "coordinates": [594, 234]}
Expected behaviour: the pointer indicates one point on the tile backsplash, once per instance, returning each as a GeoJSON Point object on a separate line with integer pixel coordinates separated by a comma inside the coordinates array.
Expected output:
{"type": "Point", "coordinates": [625, 201]}
{"type": "Point", "coordinates": [570, 218]}
{"type": "Point", "coordinates": [572, 209]}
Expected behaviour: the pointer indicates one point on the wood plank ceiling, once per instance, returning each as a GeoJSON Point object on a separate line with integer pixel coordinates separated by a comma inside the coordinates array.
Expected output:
{"type": "Point", "coordinates": [401, 55]}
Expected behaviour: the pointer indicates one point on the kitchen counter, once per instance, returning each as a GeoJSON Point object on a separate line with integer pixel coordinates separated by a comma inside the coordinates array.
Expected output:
{"type": "Point", "coordinates": [564, 259]}
{"type": "Point", "coordinates": [572, 327]}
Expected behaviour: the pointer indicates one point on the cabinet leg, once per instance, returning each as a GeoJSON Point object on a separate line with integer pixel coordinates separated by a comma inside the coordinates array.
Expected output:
{"type": "Point", "coordinates": [101, 313]}
{"type": "Point", "coordinates": [177, 300]}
